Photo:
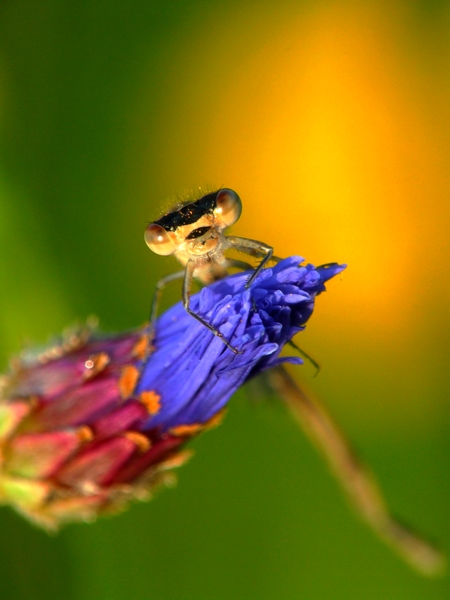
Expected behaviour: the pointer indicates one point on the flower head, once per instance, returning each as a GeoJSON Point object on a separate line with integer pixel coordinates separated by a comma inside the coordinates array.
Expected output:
{"type": "Point", "coordinates": [92, 422]}
{"type": "Point", "coordinates": [193, 372]}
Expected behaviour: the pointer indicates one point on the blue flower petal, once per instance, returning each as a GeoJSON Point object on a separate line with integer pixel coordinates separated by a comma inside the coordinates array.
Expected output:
{"type": "Point", "coordinates": [192, 370]}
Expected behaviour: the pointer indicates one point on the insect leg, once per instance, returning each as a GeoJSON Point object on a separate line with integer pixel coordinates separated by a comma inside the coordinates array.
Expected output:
{"type": "Point", "coordinates": [187, 282]}
{"type": "Point", "coordinates": [154, 313]}
{"type": "Point", "coordinates": [253, 248]}
{"type": "Point", "coordinates": [157, 296]}
{"type": "Point", "coordinates": [305, 355]}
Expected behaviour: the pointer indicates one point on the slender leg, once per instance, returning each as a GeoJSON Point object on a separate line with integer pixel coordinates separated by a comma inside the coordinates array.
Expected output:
{"type": "Point", "coordinates": [153, 315]}
{"type": "Point", "coordinates": [158, 293]}
{"type": "Point", "coordinates": [354, 477]}
{"type": "Point", "coordinates": [187, 282]}
{"type": "Point", "coordinates": [306, 356]}
{"type": "Point", "coordinates": [253, 248]}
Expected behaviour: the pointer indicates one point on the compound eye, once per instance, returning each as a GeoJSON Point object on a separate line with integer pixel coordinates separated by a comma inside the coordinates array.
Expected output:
{"type": "Point", "coordinates": [158, 240]}
{"type": "Point", "coordinates": [228, 206]}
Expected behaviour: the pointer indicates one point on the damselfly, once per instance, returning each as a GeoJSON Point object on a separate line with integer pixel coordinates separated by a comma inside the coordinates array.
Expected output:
{"type": "Point", "coordinates": [194, 233]}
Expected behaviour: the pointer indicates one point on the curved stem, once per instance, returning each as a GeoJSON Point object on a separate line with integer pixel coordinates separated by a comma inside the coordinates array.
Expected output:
{"type": "Point", "coordinates": [354, 477]}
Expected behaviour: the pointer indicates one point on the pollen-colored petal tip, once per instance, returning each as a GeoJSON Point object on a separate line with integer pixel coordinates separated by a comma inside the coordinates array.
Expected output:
{"type": "Point", "coordinates": [151, 400]}
{"type": "Point", "coordinates": [128, 379]}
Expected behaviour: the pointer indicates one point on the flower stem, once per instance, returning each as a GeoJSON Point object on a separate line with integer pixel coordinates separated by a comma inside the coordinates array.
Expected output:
{"type": "Point", "coordinates": [354, 477]}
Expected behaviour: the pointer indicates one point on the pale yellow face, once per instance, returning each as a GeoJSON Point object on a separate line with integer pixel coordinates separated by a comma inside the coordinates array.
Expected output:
{"type": "Point", "coordinates": [198, 245]}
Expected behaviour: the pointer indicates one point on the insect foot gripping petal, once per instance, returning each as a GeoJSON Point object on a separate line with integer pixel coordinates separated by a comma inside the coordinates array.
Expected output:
{"type": "Point", "coordinates": [87, 427]}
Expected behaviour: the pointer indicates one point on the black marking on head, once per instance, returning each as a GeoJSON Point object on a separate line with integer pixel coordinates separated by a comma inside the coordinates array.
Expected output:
{"type": "Point", "coordinates": [188, 214]}
{"type": "Point", "coordinates": [197, 233]}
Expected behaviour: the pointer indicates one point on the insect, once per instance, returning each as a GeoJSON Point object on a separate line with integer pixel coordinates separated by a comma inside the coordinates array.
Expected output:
{"type": "Point", "coordinates": [194, 233]}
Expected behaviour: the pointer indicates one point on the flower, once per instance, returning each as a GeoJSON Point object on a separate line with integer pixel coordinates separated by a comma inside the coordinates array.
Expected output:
{"type": "Point", "coordinates": [92, 422]}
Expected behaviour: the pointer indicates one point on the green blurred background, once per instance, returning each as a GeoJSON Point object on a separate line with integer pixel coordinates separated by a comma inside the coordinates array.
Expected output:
{"type": "Point", "coordinates": [331, 120]}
